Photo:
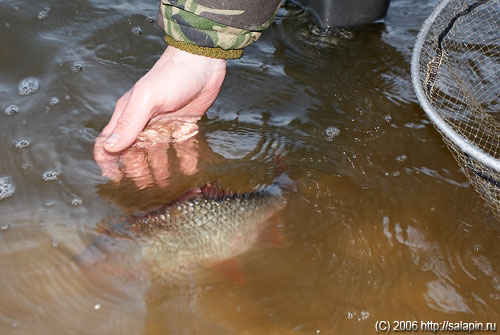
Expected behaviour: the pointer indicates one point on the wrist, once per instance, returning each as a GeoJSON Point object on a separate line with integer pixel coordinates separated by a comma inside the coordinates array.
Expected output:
{"type": "Point", "coordinates": [184, 60]}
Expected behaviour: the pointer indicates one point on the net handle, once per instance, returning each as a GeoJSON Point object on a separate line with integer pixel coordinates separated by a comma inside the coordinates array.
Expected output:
{"type": "Point", "coordinates": [451, 134]}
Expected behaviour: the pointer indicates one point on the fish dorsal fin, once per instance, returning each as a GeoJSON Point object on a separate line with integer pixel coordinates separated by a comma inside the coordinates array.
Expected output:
{"type": "Point", "coordinates": [213, 190]}
{"type": "Point", "coordinates": [207, 191]}
{"type": "Point", "coordinates": [195, 193]}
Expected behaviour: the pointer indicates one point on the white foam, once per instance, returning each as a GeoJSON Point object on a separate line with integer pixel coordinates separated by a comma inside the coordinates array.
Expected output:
{"type": "Point", "coordinates": [7, 187]}
{"type": "Point", "coordinates": [54, 101]}
{"type": "Point", "coordinates": [401, 158]}
{"type": "Point", "coordinates": [22, 143]}
{"type": "Point", "coordinates": [43, 14]}
{"type": "Point", "coordinates": [137, 31]}
{"type": "Point", "coordinates": [77, 67]}
{"type": "Point", "coordinates": [50, 175]}
{"type": "Point", "coordinates": [11, 110]}
{"type": "Point", "coordinates": [331, 132]}
{"type": "Point", "coordinates": [28, 86]}
{"type": "Point", "coordinates": [76, 202]}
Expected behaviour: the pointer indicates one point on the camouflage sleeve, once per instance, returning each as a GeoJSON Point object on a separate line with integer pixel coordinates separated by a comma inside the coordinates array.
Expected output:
{"type": "Point", "coordinates": [215, 28]}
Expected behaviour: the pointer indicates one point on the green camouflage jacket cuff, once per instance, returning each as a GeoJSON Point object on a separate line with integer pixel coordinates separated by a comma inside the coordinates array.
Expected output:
{"type": "Point", "coordinates": [204, 51]}
{"type": "Point", "coordinates": [183, 26]}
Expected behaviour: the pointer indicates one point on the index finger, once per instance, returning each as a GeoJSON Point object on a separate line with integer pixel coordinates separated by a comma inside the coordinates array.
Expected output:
{"type": "Point", "coordinates": [108, 162]}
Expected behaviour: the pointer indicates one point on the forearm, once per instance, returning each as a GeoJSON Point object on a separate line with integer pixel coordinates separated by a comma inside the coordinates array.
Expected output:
{"type": "Point", "coordinates": [214, 28]}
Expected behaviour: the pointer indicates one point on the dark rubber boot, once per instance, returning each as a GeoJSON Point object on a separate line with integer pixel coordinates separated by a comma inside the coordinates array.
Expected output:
{"type": "Point", "coordinates": [341, 13]}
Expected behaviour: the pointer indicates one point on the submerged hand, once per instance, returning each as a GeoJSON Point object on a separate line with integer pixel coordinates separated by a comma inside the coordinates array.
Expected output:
{"type": "Point", "coordinates": [177, 91]}
{"type": "Point", "coordinates": [146, 161]}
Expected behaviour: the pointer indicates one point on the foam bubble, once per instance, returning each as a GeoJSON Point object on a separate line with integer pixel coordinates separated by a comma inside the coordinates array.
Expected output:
{"type": "Point", "coordinates": [76, 202]}
{"type": "Point", "coordinates": [401, 158]}
{"type": "Point", "coordinates": [42, 15]}
{"type": "Point", "coordinates": [50, 175]}
{"type": "Point", "coordinates": [28, 86]}
{"type": "Point", "coordinates": [137, 31]}
{"type": "Point", "coordinates": [11, 110]}
{"type": "Point", "coordinates": [76, 67]}
{"type": "Point", "coordinates": [22, 143]}
{"type": "Point", "coordinates": [331, 132]}
{"type": "Point", "coordinates": [54, 101]}
{"type": "Point", "coordinates": [4, 227]}
{"type": "Point", "coordinates": [7, 187]}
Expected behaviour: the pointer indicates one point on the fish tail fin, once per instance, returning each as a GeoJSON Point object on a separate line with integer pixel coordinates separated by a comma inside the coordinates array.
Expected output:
{"type": "Point", "coordinates": [112, 227]}
{"type": "Point", "coordinates": [232, 270]}
{"type": "Point", "coordinates": [280, 177]}
{"type": "Point", "coordinates": [273, 234]}
{"type": "Point", "coordinates": [280, 166]}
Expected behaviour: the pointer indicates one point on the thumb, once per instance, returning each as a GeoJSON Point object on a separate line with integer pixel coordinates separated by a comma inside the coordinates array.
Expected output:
{"type": "Point", "coordinates": [132, 121]}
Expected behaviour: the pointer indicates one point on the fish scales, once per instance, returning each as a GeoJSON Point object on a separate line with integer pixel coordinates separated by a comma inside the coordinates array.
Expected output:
{"type": "Point", "coordinates": [205, 229]}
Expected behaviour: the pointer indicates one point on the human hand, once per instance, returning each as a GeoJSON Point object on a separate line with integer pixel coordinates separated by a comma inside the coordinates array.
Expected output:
{"type": "Point", "coordinates": [146, 161]}
{"type": "Point", "coordinates": [176, 92]}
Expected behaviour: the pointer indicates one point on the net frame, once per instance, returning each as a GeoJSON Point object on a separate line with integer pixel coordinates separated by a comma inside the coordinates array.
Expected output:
{"type": "Point", "coordinates": [481, 168]}
{"type": "Point", "coordinates": [446, 129]}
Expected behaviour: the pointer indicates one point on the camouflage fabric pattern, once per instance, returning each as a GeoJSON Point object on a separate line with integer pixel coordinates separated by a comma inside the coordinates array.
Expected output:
{"type": "Point", "coordinates": [193, 22]}
{"type": "Point", "coordinates": [244, 14]}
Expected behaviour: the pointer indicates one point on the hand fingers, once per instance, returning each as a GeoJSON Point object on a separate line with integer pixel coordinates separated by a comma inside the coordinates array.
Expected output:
{"type": "Point", "coordinates": [136, 167]}
{"type": "Point", "coordinates": [130, 123]}
{"type": "Point", "coordinates": [120, 106]}
{"type": "Point", "coordinates": [184, 131]}
{"type": "Point", "coordinates": [158, 160]}
{"type": "Point", "coordinates": [108, 162]}
{"type": "Point", "coordinates": [188, 156]}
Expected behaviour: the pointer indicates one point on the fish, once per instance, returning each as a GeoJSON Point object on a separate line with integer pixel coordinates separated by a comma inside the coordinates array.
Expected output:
{"type": "Point", "coordinates": [205, 227]}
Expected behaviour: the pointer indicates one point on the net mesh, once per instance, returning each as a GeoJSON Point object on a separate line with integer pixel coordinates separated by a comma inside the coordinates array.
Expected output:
{"type": "Point", "coordinates": [456, 75]}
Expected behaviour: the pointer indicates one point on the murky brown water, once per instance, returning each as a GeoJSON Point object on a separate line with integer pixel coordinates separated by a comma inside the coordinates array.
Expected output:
{"type": "Point", "coordinates": [383, 225]}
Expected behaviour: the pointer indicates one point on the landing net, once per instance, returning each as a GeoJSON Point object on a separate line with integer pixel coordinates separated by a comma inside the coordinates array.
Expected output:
{"type": "Point", "coordinates": [456, 76]}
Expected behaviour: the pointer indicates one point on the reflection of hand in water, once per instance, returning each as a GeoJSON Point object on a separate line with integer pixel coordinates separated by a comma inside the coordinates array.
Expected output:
{"type": "Point", "coordinates": [146, 161]}
{"type": "Point", "coordinates": [177, 91]}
